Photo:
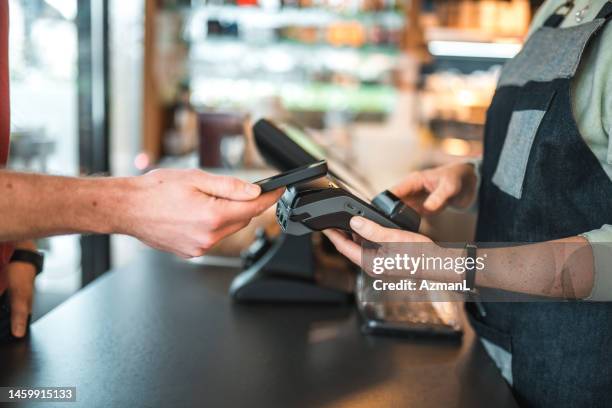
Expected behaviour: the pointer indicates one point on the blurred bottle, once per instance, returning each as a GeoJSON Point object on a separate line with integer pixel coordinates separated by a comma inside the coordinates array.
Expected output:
{"type": "Point", "coordinates": [213, 128]}
{"type": "Point", "coordinates": [182, 138]}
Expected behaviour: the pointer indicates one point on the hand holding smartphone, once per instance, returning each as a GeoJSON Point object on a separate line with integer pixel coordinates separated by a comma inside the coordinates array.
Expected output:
{"type": "Point", "coordinates": [300, 175]}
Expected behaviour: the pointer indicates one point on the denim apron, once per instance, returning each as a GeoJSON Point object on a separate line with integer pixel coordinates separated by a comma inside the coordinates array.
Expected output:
{"type": "Point", "coordinates": [540, 182]}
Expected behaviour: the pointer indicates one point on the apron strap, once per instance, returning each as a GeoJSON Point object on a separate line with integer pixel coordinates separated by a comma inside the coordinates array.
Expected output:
{"type": "Point", "coordinates": [564, 9]}
{"type": "Point", "coordinates": [606, 11]}
{"type": "Point", "coordinates": [559, 15]}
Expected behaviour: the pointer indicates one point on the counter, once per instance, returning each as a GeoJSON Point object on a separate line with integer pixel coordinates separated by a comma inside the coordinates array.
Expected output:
{"type": "Point", "coordinates": [163, 332]}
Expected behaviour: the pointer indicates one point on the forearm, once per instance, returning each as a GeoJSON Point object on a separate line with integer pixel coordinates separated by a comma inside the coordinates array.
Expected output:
{"type": "Point", "coordinates": [34, 206]}
{"type": "Point", "coordinates": [560, 269]}
{"type": "Point", "coordinates": [29, 245]}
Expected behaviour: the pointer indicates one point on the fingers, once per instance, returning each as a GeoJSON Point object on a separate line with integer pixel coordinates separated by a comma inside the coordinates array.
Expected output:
{"type": "Point", "coordinates": [228, 230]}
{"type": "Point", "coordinates": [443, 184]}
{"type": "Point", "coordinates": [234, 211]}
{"type": "Point", "coordinates": [445, 190]}
{"type": "Point", "coordinates": [372, 231]}
{"type": "Point", "coordinates": [210, 239]}
{"type": "Point", "coordinates": [227, 187]}
{"type": "Point", "coordinates": [20, 278]}
{"type": "Point", "coordinates": [227, 218]}
{"type": "Point", "coordinates": [345, 245]}
{"type": "Point", "coordinates": [20, 312]}
{"type": "Point", "coordinates": [410, 185]}
{"type": "Point", "coordinates": [21, 305]}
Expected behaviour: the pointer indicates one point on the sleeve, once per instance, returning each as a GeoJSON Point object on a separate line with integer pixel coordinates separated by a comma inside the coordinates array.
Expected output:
{"type": "Point", "coordinates": [601, 244]}
{"type": "Point", "coordinates": [607, 101]}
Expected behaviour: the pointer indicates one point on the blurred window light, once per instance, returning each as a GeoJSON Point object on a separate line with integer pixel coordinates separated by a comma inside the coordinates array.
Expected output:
{"type": "Point", "coordinates": [456, 146]}
{"type": "Point", "coordinates": [473, 49]}
{"type": "Point", "coordinates": [67, 8]}
{"type": "Point", "coordinates": [466, 97]}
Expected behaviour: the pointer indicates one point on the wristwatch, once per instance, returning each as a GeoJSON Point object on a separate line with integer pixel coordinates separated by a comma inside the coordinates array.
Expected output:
{"type": "Point", "coordinates": [34, 258]}
{"type": "Point", "coordinates": [470, 279]}
{"type": "Point", "coordinates": [470, 273]}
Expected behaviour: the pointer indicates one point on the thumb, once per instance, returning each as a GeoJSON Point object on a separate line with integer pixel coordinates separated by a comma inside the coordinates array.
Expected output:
{"type": "Point", "coordinates": [374, 232]}
{"type": "Point", "coordinates": [437, 200]}
{"type": "Point", "coordinates": [227, 187]}
{"type": "Point", "coordinates": [20, 311]}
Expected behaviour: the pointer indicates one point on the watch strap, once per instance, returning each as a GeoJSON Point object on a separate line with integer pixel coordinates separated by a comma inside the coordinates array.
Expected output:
{"type": "Point", "coordinates": [470, 273]}
{"type": "Point", "coordinates": [34, 258]}
{"type": "Point", "coordinates": [470, 278]}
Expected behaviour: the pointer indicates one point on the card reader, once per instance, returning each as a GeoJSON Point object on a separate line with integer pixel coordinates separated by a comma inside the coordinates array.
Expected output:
{"type": "Point", "coordinates": [327, 203]}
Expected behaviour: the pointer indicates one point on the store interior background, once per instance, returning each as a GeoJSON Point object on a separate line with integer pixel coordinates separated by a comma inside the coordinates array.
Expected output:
{"type": "Point", "coordinates": [121, 87]}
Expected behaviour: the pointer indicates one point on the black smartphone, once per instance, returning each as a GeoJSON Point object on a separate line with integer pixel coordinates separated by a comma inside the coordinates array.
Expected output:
{"type": "Point", "coordinates": [300, 175]}
{"type": "Point", "coordinates": [403, 329]}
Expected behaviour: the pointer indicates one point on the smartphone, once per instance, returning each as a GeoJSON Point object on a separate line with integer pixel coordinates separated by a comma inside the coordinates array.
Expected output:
{"type": "Point", "coordinates": [403, 329]}
{"type": "Point", "coordinates": [300, 175]}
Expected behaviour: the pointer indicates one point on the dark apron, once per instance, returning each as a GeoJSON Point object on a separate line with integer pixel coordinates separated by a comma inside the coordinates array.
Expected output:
{"type": "Point", "coordinates": [540, 182]}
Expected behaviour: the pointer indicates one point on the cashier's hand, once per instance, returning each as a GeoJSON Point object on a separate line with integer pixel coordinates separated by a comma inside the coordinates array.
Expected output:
{"type": "Point", "coordinates": [431, 191]}
{"type": "Point", "coordinates": [369, 231]}
{"type": "Point", "coordinates": [21, 290]}
{"type": "Point", "coordinates": [186, 212]}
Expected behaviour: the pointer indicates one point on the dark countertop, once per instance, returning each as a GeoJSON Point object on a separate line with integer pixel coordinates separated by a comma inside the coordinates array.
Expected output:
{"type": "Point", "coordinates": [164, 333]}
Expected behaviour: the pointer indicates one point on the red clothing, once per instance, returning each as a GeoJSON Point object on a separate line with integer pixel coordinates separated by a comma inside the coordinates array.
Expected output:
{"type": "Point", "coordinates": [5, 249]}
{"type": "Point", "coordinates": [4, 84]}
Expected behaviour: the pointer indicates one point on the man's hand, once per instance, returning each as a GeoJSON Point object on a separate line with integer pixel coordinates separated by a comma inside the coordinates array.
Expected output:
{"type": "Point", "coordinates": [21, 289]}
{"type": "Point", "coordinates": [430, 191]}
{"type": "Point", "coordinates": [188, 211]}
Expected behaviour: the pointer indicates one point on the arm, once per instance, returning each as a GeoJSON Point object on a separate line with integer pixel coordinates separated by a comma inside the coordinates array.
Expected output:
{"type": "Point", "coordinates": [34, 206]}
{"type": "Point", "coordinates": [181, 211]}
{"type": "Point", "coordinates": [562, 268]}
{"type": "Point", "coordinates": [558, 269]}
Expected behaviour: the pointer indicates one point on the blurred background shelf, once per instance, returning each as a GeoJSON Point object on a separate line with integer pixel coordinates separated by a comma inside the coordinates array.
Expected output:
{"type": "Point", "coordinates": [414, 75]}
{"type": "Point", "coordinates": [273, 15]}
